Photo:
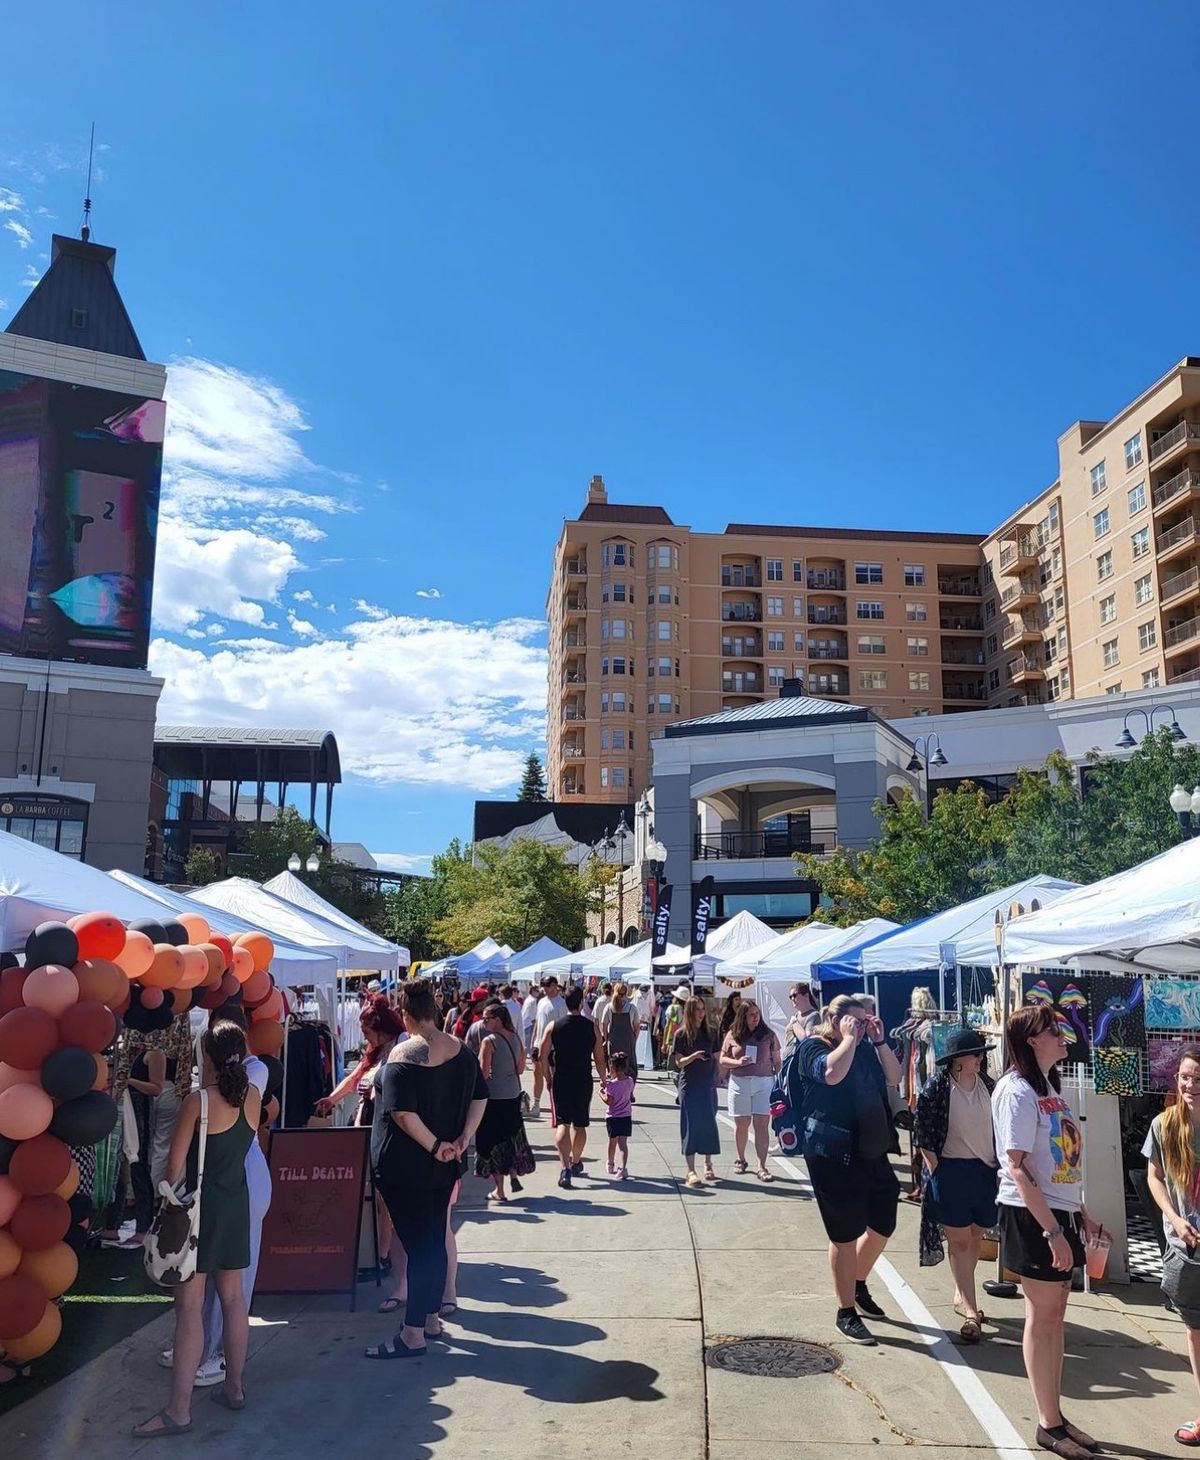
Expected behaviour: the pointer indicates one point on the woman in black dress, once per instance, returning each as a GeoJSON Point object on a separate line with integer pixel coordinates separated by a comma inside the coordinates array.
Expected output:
{"type": "Point", "coordinates": [694, 1055]}
{"type": "Point", "coordinates": [501, 1147]}
{"type": "Point", "coordinates": [431, 1100]}
{"type": "Point", "coordinates": [234, 1106]}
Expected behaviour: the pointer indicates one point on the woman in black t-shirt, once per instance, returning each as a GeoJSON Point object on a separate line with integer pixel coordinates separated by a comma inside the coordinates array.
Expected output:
{"type": "Point", "coordinates": [432, 1098]}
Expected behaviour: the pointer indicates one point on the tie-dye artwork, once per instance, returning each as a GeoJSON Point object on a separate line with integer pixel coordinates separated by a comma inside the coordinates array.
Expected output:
{"type": "Point", "coordinates": [1118, 1012]}
{"type": "Point", "coordinates": [1172, 1003]}
{"type": "Point", "coordinates": [1068, 994]}
{"type": "Point", "coordinates": [1162, 1052]}
{"type": "Point", "coordinates": [1117, 1071]}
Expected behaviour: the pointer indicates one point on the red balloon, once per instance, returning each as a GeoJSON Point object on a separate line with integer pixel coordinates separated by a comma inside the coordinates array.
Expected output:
{"type": "Point", "coordinates": [10, 1200]}
{"type": "Point", "coordinates": [40, 1166]}
{"type": "Point", "coordinates": [270, 1008]}
{"type": "Point", "coordinates": [22, 1303]}
{"type": "Point", "coordinates": [265, 1037]}
{"type": "Point", "coordinates": [40, 1221]}
{"type": "Point", "coordinates": [219, 940]}
{"type": "Point", "coordinates": [101, 982]}
{"type": "Point", "coordinates": [100, 935]}
{"type": "Point", "coordinates": [228, 987]}
{"type": "Point", "coordinates": [152, 998]}
{"type": "Point", "coordinates": [256, 988]}
{"type": "Point", "coordinates": [90, 1025]}
{"type": "Point", "coordinates": [12, 982]}
{"type": "Point", "coordinates": [27, 1036]}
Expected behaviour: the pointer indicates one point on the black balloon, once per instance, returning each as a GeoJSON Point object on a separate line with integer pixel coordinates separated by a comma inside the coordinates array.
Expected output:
{"type": "Point", "coordinates": [85, 1121]}
{"type": "Point", "coordinates": [9, 960]}
{"type": "Point", "coordinates": [7, 1147]}
{"type": "Point", "coordinates": [274, 1076]}
{"type": "Point", "coordinates": [154, 931]}
{"type": "Point", "coordinates": [68, 1073]}
{"type": "Point", "coordinates": [136, 1018]}
{"type": "Point", "coordinates": [176, 932]}
{"type": "Point", "coordinates": [51, 943]}
{"type": "Point", "coordinates": [76, 1239]}
{"type": "Point", "coordinates": [81, 1206]}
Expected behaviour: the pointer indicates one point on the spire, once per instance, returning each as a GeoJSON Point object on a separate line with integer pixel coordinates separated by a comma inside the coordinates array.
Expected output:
{"type": "Point", "coordinates": [85, 230]}
{"type": "Point", "coordinates": [597, 491]}
{"type": "Point", "coordinates": [76, 301]}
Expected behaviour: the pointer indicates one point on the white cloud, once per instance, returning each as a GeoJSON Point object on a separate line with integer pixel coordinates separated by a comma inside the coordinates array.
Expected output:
{"type": "Point", "coordinates": [429, 592]}
{"type": "Point", "coordinates": [32, 277]}
{"type": "Point", "coordinates": [19, 232]}
{"type": "Point", "coordinates": [225, 422]}
{"type": "Point", "coordinates": [231, 573]}
{"type": "Point", "coordinates": [11, 202]}
{"type": "Point", "coordinates": [404, 861]}
{"type": "Point", "coordinates": [302, 626]}
{"type": "Point", "coordinates": [410, 699]}
{"type": "Point", "coordinates": [369, 610]}
{"type": "Point", "coordinates": [304, 596]}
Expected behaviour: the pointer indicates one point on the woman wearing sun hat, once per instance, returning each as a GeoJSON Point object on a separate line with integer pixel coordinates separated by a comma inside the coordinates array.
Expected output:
{"type": "Point", "coordinates": [953, 1131]}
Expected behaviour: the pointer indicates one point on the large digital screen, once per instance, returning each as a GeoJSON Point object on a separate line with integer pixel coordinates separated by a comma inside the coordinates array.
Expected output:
{"type": "Point", "coordinates": [80, 475]}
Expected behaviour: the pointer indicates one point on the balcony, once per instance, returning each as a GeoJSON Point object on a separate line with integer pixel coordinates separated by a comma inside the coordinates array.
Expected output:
{"type": "Point", "coordinates": [741, 648]}
{"type": "Point", "coordinates": [732, 577]}
{"type": "Point", "coordinates": [574, 788]}
{"type": "Point", "coordinates": [1018, 556]}
{"type": "Point", "coordinates": [1179, 585]}
{"type": "Point", "coordinates": [575, 568]}
{"type": "Point", "coordinates": [1176, 539]}
{"type": "Point", "coordinates": [740, 846]}
{"type": "Point", "coordinates": [573, 750]}
{"type": "Point", "coordinates": [1021, 595]}
{"type": "Point", "coordinates": [574, 676]}
{"type": "Point", "coordinates": [1181, 635]}
{"type": "Point", "coordinates": [1184, 433]}
{"type": "Point", "coordinates": [953, 691]}
{"type": "Point", "coordinates": [575, 603]}
{"type": "Point", "coordinates": [960, 623]}
{"type": "Point", "coordinates": [952, 585]}
{"type": "Point", "coordinates": [1026, 667]}
{"type": "Point", "coordinates": [827, 684]}
{"type": "Point", "coordinates": [573, 639]}
{"type": "Point", "coordinates": [572, 712]}
{"type": "Point", "coordinates": [1025, 631]}
{"type": "Point", "coordinates": [1185, 483]}
{"type": "Point", "coordinates": [826, 614]}
{"type": "Point", "coordinates": [826, 580]}
{"type": "Point", "coordinates": [827, 649]}
{"type": "Point", "coordinates": [741, 684]}
{"type": "Point", "coordinates": [741, 613]}
{"type": "Point", "coordinates": [966, 658]}
{"type": "Point", "coordinates": [1186, 676]}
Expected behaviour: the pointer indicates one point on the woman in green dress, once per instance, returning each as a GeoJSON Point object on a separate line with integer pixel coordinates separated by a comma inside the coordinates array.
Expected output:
{"type": "Point", "coordinates": [224, 1251]}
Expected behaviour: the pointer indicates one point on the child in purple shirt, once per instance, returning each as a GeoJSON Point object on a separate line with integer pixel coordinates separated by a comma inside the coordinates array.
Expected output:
{"type": "Point", "coordinates": [616, 1091]}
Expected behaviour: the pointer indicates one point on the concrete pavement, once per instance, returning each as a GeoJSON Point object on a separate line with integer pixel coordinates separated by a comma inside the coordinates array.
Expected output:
{"type": "Point", "coordinates": [582, 1332]}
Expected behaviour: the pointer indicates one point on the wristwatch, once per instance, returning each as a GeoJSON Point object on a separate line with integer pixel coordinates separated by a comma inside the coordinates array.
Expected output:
{"type": "Point", "coordinates": [1052, 1233]}
{"type": "Point", "coordinates": [435, 1148]}
{"type": "Point", "coordinates": [878, 1042]}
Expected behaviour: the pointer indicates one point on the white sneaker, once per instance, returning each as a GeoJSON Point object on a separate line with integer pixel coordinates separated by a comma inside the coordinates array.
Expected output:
{"type": "Point", "coordinates": [536, 1111]}
{"type": "Point", "coordinates": [166, 1359]}
{"type": "Point", "coordinates": [209, 1374]}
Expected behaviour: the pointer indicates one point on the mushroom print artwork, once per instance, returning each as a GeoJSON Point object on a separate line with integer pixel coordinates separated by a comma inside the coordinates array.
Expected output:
{"type": "Point", "coordinates": [1068, 994]}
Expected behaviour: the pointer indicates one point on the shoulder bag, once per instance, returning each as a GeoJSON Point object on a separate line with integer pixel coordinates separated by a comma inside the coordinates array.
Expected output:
{"type": "Point", "coordinates": [173, 1241]}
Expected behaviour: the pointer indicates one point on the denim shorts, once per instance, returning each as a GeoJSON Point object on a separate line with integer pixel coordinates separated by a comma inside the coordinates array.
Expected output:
{"type": "Point", "coordinates": [963, 1192]}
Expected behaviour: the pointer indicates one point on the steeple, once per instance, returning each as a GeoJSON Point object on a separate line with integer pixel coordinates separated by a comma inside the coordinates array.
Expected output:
{"type": "Point", "coordinates": [76, 302]}
{"type": "Point", "coordinates": [597, 491]}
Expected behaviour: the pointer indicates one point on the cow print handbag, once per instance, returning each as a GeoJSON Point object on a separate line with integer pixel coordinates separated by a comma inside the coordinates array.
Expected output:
{"type": "Point", "coordinates": [173, 1241]}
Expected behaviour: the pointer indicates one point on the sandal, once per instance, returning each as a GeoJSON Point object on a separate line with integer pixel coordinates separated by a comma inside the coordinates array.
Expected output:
{"type": "Point", "coordinates": [740, 1168]}
{"type": "Point", "coordinates": [166, 1426]}
{"type": "Point", "coordinates": [710, 1174]}
{"type": "Point", "coordinates": [1189, 1434]}
{"type": "Point", "coordinates": [16, 1372]}
{"type": "Point", "coordinates": [226, 1400]}
{"type": "Point", "coordinates": [389, 1305]}
{"type": "Point", "coordinates": [964, 1312]}
{"type": "Point", "coordinates": [970, 1332]}
{"type": "Point", "coordinates": [394, 1349]}
{"type": "Point", "coordinates": [693, 1180]}
{"type": "Point", "coordinates": [764, 1175]}
{"type": "Point", "coordinates": [447, 1310]}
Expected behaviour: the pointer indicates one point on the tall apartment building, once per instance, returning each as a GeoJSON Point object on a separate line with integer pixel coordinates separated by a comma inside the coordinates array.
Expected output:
{"type": "Point", "coordinates": [1094, 586]}
{"type": "Point", "coordinates": [651, 622]}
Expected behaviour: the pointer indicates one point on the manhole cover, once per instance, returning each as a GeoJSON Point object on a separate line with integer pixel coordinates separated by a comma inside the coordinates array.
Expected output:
{"type": "Point", "coordinates": [772, 1358]}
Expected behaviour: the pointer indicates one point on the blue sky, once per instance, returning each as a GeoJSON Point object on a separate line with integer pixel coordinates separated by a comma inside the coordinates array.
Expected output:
{"type": "Point", "coordinates": [420, 270]}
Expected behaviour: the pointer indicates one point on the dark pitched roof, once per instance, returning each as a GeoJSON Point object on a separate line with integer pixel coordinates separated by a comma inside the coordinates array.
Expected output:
{"type": "Point", "coordinates": [852, 534]}
{"type": "Point", "coordinates": [788, 712]}
{"type": "Point", "coordinates": [585, 821]}
{"type": "Point", "coordinates": [617, 512]}
{"type": "Point", "coordinates": [76, 302]}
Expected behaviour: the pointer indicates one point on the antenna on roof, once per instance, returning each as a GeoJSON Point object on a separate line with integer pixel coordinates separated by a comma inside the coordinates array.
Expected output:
{"type": "Point", "coordinates": [85, 231]}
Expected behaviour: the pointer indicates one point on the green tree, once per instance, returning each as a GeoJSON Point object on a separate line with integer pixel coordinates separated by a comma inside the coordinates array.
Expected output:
{"type": "Point", "coordinates": [408, 911]}
{"type": "Point", "coordinates": [201, 867]}
{"type": "Point", "coordinates": [533, 782]}
{"type": "Point", "coordinates": [264, 847]}
{"type": "Point", "coordinates": [514, 894]}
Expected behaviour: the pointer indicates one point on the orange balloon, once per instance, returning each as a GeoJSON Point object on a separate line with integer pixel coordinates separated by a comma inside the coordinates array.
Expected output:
{"type": "Point", "coordinates": [260, 948]}
{"type": "Point", "coordinates": [183, 999]}
{"type": "Point", "coordinates": [40, 1341]}
{"type": "Point", "coordinates": [10, 1075]}
{"type": "Point", "coordinates": [265, 1037]}
{"type": "Point", "coordinates": [198, 930]}
{"type": "Point", "coordinates": [243, 964]}
{"type": "Point", "coordinates": [10, 1255]}
{"type": "Point", "coordinates": [270, 1008]}
{"type": "Point", "coordinates": [101, 1080]}
{"type": "Point", "coordinates": [216, 964]}
{"type": "Point", "coordinates": [71, 1185]}
{"type": "Point", "coordinates": [52, 988]}
{"type": "Point", "coordinates": [136, 957]}
{"type": "Point", "coordinates": [100, 981]}
{"type": "Point", "coordinates": [99, 935]}
{"type": "Point", "coordinates": [54, 1268]}
{"type": "Point", "coordinates": [195, 967]}
{"type": "Point", "coordinates": [166, 971]}
{"type": "Point", "coordinates": [256, 988]}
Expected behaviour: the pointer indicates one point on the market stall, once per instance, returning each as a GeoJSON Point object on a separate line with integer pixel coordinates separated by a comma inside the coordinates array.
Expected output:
{"type": "Point", "coordinates": [389, 957]}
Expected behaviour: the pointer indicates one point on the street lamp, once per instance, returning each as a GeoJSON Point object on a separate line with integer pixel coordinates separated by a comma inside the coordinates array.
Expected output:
{"type": "Point", "coordinates": [313, 864]}
{"type": "Point", "coordinates": [1126, 740]}
{"type": "Point", "coordinates": [923, 756]}
{"type": "Point", "coordinates": [293, 863]}
{"type": "Point", "coordinates": [1186, 806]}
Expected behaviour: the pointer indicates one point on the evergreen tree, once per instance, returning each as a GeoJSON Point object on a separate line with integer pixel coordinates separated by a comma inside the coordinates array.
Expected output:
{"type": "Point", "coordinates": [533, 783]}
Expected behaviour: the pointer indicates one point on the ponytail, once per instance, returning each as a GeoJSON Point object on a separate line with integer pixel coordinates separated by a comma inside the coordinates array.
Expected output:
{"type": "Point", "coordinates": [225, 1046]}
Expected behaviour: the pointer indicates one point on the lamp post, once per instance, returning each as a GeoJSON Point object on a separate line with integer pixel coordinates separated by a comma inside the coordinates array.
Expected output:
{"type": "Point", "coordinates": [656, 860]}
{"type": "Point", "coordinates": [1186, 806]}
{"type": "Point", "coordinates": [313, 863]}
{"type": "Point", "coordinates": [1126, 740]}
{"type": "Point", "coordinates": [927, 751]}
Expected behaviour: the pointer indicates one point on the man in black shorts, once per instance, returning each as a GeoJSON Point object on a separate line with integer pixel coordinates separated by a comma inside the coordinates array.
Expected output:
{"type": "Point", "coordinates": [569, 1052]}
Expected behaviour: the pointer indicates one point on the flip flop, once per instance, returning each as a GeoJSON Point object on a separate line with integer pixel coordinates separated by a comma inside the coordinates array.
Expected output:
{"type": "Point", "coordinates": [167, 1426]}
{"type": "Point", "coordinates": [393, 1350]}
{"type": "Point", "coordinates": [226, 1400]}
{"type": "Point", "coordinates": [389, 1305]}
{"type": "Point", "coordinates": [1189, 1434]}
{"type": "Point", "coordinates": [447, 1310]}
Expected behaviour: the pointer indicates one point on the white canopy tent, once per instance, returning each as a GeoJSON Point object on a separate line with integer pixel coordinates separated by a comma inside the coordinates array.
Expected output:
{"type": "Point", "coordinates": [292, 965]}
{"type": "Point", "coordinates": [587, 961]}
{"type": "Point", "coordinates": [288, 886]}
{"type": "Point", "coordinates": [522, 966]}
{"type": "Point", "coordinates": [742, 932]}
{"type": "Point", "coordinates": [634, 962]}
{"type": "Point", "coordinates": [468, 964]}
{"type": "Point", "coordinates": [254, 904]}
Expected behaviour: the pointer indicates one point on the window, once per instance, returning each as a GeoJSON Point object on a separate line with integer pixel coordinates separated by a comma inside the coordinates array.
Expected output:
{"type": "Point", "coordinates": [775, 676]}
{"type": "Point", "coordinates": [1147, 635]}
{"type": "Point", "coordinates": [604, 664]}
{"type": "Point", "coordinates": [1099, 479]}
{"type": "Point", "coordinates": [872, 644]}
{"type": "Point", "coordinates": [667, 630]}
{"type": "Point", "coordinates": [1051, 650]}
{"type": "Point", "coordinates": [989, 610]}
{"type": "Point", "coordinates": [776, 642]}
{"type": "Point", "coordinates": [604, 740]}
{"type": "Point", "coordinates": [1056, 562]}
{"type": "Point", "coordinates": [918, 679]}
{"type": "Point", "coordinates": [1137, 498]}
{"type": "Point", "coordinates": [797, 608]}
{"type": "Point", "coordinates": [797, 570]}
{"type": "Point", "coordinates": [1113, 689]}
{"type": "Point", "coordinates": [1143, 590]}
{"type": "Point", "coordinates": [604, 777]}
{"type": "Point", "coordinates": [618, 702]}
{"type": "Point", "coordinates": [1112, 654]}
{"type": "Point", "coordinates": [918, 647]}
{"type": "Point", "coordinates": [1100, 523]}
{"type": "Point", "coordinates": [1052, 517]}
{"type": "Point", "coordinates": [914, 575]}
{"type": "Point", "coordinates": [1140, 542]}
{"type": "Point", "coordinates": [916, 613]}
{"type": "Point", "coordinates": [1064, 677]}
{"type": "Point", "coordinates": [1150, 679]}
{"type": "Point", "coordinates": [774, 570]}
{"type": "Point", "coordinates": [1104, 566]}
{"type": "Point", "coordinates": [872, 679]}
{"type": "Point", "coordinates": [664, 556]}
{"type": "Point", "coordinates": [618, 776]}
{"type": "Point", "coordinates": [868, 572]}
{"type": "Point", "coordinates": [618, 664]}
{"type": "Point", "coordinates": [616, 628]}
{"type": "Point", "coordinates": [604, 702]}
{"type": "Point", "coordinates": [666, 594]}
{"type": "Point", "coordinates": [775, 607]}
{"type": "Point", "coordinates": [993, 644]}
{"type": "Point", "coordinates": [1052, 687]}
{"type": "Point", "coordinates": [993, 679]}
{"type": "Point", "coordinates": [618, 740]}
{"type": "Point", "coordinates": [1059, 602]}
{"type": "Point", "coordinates": [868, 610]}
{"type": "Point", "coordinates": [1133, 452]}
{"type": "Point", "coordinates": [615, 591]}
{"type": "Point", "coordinates": [667, 704]}
{"type": "Point", "coordinates": [1108, 609]}
{"type": "Point", "coordinates": [664, 668]}
{"type": "Point", "coordinates": [798, 642]}
{"type": "Point", "coordinates": [617, 555]}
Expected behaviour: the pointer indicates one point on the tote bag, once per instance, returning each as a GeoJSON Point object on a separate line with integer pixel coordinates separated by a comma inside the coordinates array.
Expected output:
{"type": "Point", "coordinates": [173, 1241]}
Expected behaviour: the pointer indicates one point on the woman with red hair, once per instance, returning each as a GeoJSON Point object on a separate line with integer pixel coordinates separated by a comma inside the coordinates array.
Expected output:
{"type": "Point", "coordinates": [381, 1027]}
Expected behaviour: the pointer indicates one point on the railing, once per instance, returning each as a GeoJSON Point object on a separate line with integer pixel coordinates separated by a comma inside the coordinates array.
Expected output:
{"type": "Point", "coordinates": [1023, 589]}
{"type": "Point", "coordinates": [1189, 676]}
{"type": "Point", "coordinates": [576, 603]}
{"type": "Point", "coordinates": [1181, 583]}
{"type": "Point", "coordinates": [1181, 532]}
{"type": "Point", "coordinates": [574, 788]}
{"type": "Point", "coordinates": [831, 582]}
{"type": "Point", "coordinates": [964, 692]}
{"type": "Point", "coordinates": [1183, 431]}
{"type": "Point", "coordinates": [965, 623]}
{"type": "Point", "coordinates": [575, 568]}
{"type": "Point", "coordinates": [1182, 633]}
{"type": "Point", "coordinates": [744, 845]}
{"type": "Point", "coordinates": [741, 613]}
{"type": "Point", "coordinates": [827, 616]}
{"type": "Point", "coordinates": [574, 641]}
{"type": "Point", "coordinates": [1183, 481]}
{"type": "Point", "coordinates": [962, 656]}
{"type": "Point", "coordinates": [1025, 664]}
{"type": "Point", "coordinates": [959, 587]}
{"type": "Point", "coordinates": [573, 752]}
{"type": "Point", "coordinates": [740, 580]}
{"type": "Point", "coordinates": [735, 649]}
{"type": "Point", "coordinates": [741, 684]}
{"type": "Point", "coordinates": [827, 651]}
{"type": "Point", "coordinates": [571, 714]}
{"type": "Point", "coordinates": [574, 676]}
{"type": "Point", "coordinates": [1018, 631]}
{"type": "Point", "coordinates": [827, 684]}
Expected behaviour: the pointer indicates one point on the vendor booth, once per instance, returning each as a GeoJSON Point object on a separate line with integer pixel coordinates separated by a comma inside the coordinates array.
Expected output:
{"type": "Point", "coordinates": [289, 887]}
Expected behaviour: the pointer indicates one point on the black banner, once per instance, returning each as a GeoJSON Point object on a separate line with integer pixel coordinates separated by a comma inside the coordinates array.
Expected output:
{"type": "Point", "coordinates": [702, 913]}
{"type": "Point", "coordinates": [662, 921]}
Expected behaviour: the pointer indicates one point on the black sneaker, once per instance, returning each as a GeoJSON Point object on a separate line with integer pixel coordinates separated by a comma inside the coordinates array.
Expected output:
{"type": "Point", "coordinates": [865, 1303]}
{"type": "Point", "coordinates": [851, 1326]}
{"type": "Point", "coordinates": [577, 1169]}
{"type": "Point", "coordinates": [564, 1179]}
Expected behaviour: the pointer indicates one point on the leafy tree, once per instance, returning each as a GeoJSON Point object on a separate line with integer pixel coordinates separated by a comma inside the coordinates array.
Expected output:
{"type": "Point", "coordinates": [533, 783]}
{"type": "Point", "coordinates": [201, 867]}
{"type": "Point", "coordinates": [514, 894]}
{"type": "Point", "coordinates": [408, 912]}
{"type": "Point", "coordinates": [264, 847]}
